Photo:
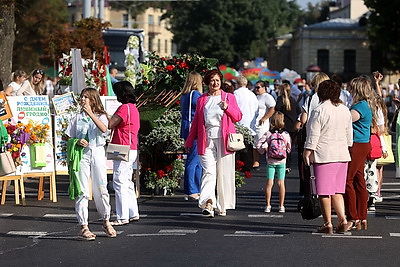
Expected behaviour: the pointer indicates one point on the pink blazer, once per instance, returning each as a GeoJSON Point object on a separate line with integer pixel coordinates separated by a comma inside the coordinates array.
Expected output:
{"type": "Point", "coordinates": [198, 129]}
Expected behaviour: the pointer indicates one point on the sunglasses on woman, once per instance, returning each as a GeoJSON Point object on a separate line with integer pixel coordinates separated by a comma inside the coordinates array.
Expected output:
{"type": "Point", "coordinates": [38, 72]}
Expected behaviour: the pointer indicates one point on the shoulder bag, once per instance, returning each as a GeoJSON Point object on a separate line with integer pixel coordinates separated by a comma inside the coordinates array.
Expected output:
{"type": "Point", "coordinates": [390, 157]}
{"type": "Point", "coordinates": [120, 152]}
{"type": "Point", "coordinates": [235, 140]}
{"type": "Point", "coordinates": [7, 165]}
{"type": "Point", "coordinates": [309, 207]}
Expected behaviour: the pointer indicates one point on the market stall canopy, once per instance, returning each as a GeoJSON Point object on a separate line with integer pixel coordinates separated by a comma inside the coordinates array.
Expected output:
{"type": "Point", "coordinates": [313, 68]}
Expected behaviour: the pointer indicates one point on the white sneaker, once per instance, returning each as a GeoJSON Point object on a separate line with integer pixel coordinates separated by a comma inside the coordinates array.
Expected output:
{"type": "Point", "coordinates": [267, 209]}
{"type": "Point", "coordinates": [281, 209]}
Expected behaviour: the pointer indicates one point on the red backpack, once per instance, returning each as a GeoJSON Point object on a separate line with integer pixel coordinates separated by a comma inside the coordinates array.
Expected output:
{"type": "Point", "coordinates": [376, 147]}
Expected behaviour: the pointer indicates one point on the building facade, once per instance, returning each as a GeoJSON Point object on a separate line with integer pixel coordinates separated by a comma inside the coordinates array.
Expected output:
{"type": "Point", "coordinates": [157, 36]}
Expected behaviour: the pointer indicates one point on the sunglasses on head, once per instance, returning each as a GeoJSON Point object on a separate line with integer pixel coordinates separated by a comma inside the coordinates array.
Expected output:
{"type": "Point", "coordinates": [38, 72]}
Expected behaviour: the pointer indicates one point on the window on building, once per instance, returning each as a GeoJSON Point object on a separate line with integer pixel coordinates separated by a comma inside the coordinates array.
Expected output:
{"type": "Point", "coordinates": [159, 21]}
{"type": "Point", "coordinates": [349, 61]}
{"type": "Point", "coordinates": [151, 20]}
{"type": "Point", "coordinates": [151, 44]}
{"type": "Point", "coordinates": [166, 46]}
{"type": "Point", "coordinates": [125, 21]}
{"type": "Point", "coordinates": [323, 59]}
{"type": "Point", "coordinates": [158, 45]}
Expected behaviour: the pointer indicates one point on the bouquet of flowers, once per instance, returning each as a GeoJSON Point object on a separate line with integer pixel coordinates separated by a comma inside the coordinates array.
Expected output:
{"type": "Point", "coordinates": [21, 134]}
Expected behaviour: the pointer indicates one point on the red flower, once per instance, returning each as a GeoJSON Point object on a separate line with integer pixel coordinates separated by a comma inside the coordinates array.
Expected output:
{"type": "Point", "coordinates": [160, 174]}
{"type": "Point", "coordinates": [170, 67]}
{"type": "Point", "coordinates": [178, 102]}
{"type": "Point", "coordinates": [168, 168]}
{"type": "Point", "coordinates": [247, 174]}
{"type": "Point", "coordinates": [15, 154]}
{"type": "Point", "coordinates": [183, 65]}
{"type": "Point", "coordinates": [239, 164]}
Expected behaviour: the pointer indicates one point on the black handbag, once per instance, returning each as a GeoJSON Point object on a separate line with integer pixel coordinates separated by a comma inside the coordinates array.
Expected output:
{"type": "Point", "coordinates": [310, 207]}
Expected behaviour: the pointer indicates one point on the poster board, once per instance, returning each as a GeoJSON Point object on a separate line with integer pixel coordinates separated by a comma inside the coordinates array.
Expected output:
{"type": "Point", "coordinates": [5, 111]}
{"type": "Point", "coordinates": [37, 110]}
{"type": "Point", "coordinates": [61, 122]}
{"type": "Point", "coordinates": [63, 103]}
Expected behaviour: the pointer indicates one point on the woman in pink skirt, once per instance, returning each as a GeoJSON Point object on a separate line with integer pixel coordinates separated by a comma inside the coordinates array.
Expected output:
{"type": "Point", "coordinates": [329, 136]}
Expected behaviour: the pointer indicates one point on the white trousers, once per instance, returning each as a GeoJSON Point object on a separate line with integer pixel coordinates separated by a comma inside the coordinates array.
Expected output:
{"type": "Point", "coordinates": [93, 164]}
{"type": "Point", "coordinates": [218, 171]}
{"type": "Point", "coordinates": [125, 194]}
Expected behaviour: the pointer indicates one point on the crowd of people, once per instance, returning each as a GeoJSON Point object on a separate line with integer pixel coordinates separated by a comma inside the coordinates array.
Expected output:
{"type": "Point", "coordinates": [329, 122]}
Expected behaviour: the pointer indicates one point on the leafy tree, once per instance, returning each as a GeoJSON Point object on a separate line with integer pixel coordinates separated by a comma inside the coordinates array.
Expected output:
{"type": "Point", "coordinates": [316, 13]}
{"type": "Point", "coordinates": [230, 30]}
{"type": "Point", "coordinates": [6, 38]}
{"type": "Point", "coordinates": [38, 24]}
{"type": "Point", "coordinates": [383, 29]}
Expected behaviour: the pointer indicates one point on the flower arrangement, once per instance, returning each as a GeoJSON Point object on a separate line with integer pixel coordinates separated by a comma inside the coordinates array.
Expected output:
{"type": "Point", "coordinates": [165, 177]}
{"type": "Point", "coordinates": [93, 72]}
{"type": "Point", "coordinates": [239, 179]}
{"type": "Point", "coordinates": [21, 134]}
{"type": "Point", "coordinates": [165, 135]}
{"type": "Point", "coordinates": [169, 72]}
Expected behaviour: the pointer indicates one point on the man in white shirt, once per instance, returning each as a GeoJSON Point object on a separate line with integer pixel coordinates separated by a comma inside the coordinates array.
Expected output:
{"type": "Point", "coordinates": [248, 104]}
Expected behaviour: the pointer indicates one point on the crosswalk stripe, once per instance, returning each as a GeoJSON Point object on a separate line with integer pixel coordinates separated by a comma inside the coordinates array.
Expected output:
{"type": "Point", "coordinates": [178, 231]}
{"type": "Point", "coordinates": [157, 234]}
{"type": "Point", "coordinates": [265, 216]}
{"type": "Point", "coordinates": [192, 214]}
{"type": "Point", "coordinates": [238, 235]}
{"type": "Point", "coordinates": [395, 234]}
{"type": "Point", "coordinates": [26, 233]}
{"type": "Point", "coordinates": [3, 215]}
{"type": "Point", "coordinates": [392, 217]}
{"type": "Point", "coordinates": [390, 184]}
{"type": "Point", "coordinates": [254, 234]}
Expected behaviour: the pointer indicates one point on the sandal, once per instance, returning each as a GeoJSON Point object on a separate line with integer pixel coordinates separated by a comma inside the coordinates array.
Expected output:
{"type": "Point", "coordinates": [86, 235]}
{"type": "Point", "coordinates": [326, 228]}
{"type": "Point", "coordinates": [109, 230]}
{"type": "Point", "coordinates": [119, 222]}
{"type": "Point", "coordinates": [134, 219]}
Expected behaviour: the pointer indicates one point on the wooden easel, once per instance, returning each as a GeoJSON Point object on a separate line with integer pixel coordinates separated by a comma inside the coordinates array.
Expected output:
{"type": "Point", "coordinates": [18, 183]}
{"type": "Point", "coordinates": [42, 175]}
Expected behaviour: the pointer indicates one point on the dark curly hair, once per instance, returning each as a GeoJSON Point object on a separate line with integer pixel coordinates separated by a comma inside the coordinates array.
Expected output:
{"type": "Point", "coordinates": [209, 74]}
{"type": "Point", "coordinates": [125, 92]}
{"type": "Point", "coordinates": [329, 89]}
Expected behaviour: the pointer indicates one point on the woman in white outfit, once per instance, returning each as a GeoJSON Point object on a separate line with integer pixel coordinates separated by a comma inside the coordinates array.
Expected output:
{"type": "Point", "coordinates": [90, 127]}
{"type": "Point", "coordinates": [125, 123]}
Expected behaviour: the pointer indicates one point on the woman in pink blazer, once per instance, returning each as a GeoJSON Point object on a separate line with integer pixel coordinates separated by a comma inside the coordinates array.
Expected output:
{"type": "Point", "coordinates": [216, 113]}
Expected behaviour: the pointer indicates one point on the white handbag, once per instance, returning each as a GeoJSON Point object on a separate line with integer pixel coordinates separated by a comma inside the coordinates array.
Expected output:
{"type": "Point", "coordinates": [117, 151]}
{"type": "Point", "coordinates": [235, 142]}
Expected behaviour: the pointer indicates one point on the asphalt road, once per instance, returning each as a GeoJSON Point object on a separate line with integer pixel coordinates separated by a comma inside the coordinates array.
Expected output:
{"type": "Point", "coordinates": [172, 232]}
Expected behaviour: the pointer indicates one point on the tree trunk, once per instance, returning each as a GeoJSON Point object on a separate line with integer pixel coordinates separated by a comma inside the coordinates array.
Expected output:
{"type": "Point", "coordinates": [7, 36]}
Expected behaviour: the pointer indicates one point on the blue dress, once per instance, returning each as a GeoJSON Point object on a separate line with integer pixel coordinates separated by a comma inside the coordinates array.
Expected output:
{"type": "Point", "coordinates": [193, 169]}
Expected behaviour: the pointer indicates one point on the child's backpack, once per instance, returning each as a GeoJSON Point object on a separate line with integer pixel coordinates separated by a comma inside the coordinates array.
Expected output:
{"type": "Point", "coordinates": [277, 146]}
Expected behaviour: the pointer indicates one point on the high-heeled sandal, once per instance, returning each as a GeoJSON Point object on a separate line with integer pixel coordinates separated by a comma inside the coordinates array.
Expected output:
{"type": "Point", "coordinates": [326, 228]}
{"type": "Point", "coordinates": [357, 225]}
{"type": "Point", "coordinates": [343, 227]}
{"type": "Point", "coordinates": [364, 225]}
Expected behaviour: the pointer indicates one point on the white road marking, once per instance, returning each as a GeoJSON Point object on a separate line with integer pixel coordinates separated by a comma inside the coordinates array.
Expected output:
{"type": "Point", "coordinates": [26, 233]}
{"type": "Point", "coordinates": [254, 234]}
{"type": "Point", "coordinates": [346, 233]}
{"type": "Point", "coordinates": [264, 216]}
{"type": "Point", "coordinates": [182, 231]}
{"type": "Point", "coordinates": [395, 234]}
{"type": "Point", "coordinates": [3, 215]}
{"type": "Point", "coordinates": [158, 234]}
{"type": "Point", "coordinates": [392, 217]}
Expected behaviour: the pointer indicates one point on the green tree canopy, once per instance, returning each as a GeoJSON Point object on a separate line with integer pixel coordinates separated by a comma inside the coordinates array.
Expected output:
{"type": "Point", "coordinates": [37, 24]}
{"type": "Point", "coordinates": [384, 31]}
{"type": "Point", "coordinates": [230, 30]}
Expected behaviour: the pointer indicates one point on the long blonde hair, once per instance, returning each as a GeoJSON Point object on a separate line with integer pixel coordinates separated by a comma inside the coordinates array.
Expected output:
{"type": "Point", "coordinates": [317, 79]}
{"type": "Point", "coordinates": [193, 82]}
{"type": "Point", "coordinates": [360, 89]}
{"type": "Point", "coordinates": [284, 91]}
{"type": "Point", "coordinates": [38, 88]}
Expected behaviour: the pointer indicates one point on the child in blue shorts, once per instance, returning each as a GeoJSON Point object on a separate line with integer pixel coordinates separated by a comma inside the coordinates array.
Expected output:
{"type": "Point", "coordinates": [275, 143]}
